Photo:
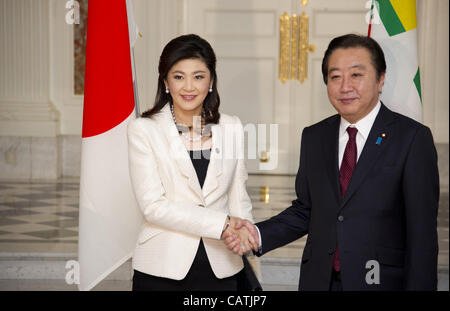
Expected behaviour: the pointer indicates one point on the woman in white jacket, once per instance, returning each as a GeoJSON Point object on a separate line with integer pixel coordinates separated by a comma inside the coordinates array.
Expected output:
{"type": "Point", "coordinates": [189, 178]}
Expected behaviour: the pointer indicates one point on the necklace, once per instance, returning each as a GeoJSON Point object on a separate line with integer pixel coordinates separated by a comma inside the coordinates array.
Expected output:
{"type": "Point", "coordinates": [183, 129]}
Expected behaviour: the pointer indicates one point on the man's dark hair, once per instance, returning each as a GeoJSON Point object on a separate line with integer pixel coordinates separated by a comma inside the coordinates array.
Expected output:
{"type": "Point", "coordinates": [355, 41]}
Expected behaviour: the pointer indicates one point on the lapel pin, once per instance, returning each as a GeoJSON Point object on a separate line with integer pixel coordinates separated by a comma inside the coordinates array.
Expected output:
{"type": "Point", "coordinates": [380, 138]}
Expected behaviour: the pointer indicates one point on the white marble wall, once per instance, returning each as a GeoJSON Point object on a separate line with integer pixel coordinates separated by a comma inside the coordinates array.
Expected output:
{"type": "Point", "coordinates": [15, 157]}
{"type": "Point", "coordinates": [44, 158]}
{"type": "Point", "coordinates": [32, 158]}
{"type": "Point", "coordinates": [70, 155]}
{"type": "Point", "coordinates": [38, 107]}
{"type": "Point", "coordinates": [26, 158]}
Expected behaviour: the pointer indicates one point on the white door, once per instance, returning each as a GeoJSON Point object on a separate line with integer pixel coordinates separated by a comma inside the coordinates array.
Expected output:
{"type": "Point", "coordinates": [245, 37]}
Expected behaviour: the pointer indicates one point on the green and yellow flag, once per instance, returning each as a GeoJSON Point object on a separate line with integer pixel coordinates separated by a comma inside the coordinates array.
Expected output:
{"type": "Point", "coordinates": [394, 26]}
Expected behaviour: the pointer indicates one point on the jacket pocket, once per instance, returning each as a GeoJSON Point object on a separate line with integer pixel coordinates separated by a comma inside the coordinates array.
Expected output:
{"type": "Point", "coordinates": [147, 233]}
{"type": "Point", "coordinates": [390, 256]}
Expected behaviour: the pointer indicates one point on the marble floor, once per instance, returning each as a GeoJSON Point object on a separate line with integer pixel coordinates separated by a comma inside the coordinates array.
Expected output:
{"type": "Point", "coordinates": [40, 218]}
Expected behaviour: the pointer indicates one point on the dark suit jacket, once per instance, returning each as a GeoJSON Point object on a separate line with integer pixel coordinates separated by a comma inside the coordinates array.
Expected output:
{"type": "Point", "coordinates": [388, 214]}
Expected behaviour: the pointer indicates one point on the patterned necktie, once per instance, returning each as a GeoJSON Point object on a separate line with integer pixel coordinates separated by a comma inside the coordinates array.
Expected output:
{"type": "Point", "coordinates": [345, 174]}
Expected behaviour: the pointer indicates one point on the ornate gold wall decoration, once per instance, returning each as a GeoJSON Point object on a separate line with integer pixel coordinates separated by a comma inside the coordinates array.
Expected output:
{"type": "Point", "coordinates": [285, 35]}
{"type": "Point", "coordinates": [264, 156]}
{"type": "Point", "coordinates": [303, 47]}
{"type": "Point", "coordinates": [294, 47]}
{"type": "Point", "coordinates": [264, 194]}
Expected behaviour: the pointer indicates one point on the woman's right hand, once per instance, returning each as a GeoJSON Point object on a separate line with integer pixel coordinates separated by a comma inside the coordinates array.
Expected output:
{"type": "Point", "coordinates": [240, 241]}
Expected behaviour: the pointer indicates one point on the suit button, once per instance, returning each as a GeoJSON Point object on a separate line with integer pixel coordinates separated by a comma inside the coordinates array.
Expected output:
{"type": "Point", "coordinates": [341, 218]}
{"type": "Point", "coordinates": [330, 250]}
{"type": "Point", "coordinates": [217, 150]}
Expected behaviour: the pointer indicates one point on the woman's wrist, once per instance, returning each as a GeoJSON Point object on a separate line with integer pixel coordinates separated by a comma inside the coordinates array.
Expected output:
{"type": "Point", "coordinates": [227, 224]}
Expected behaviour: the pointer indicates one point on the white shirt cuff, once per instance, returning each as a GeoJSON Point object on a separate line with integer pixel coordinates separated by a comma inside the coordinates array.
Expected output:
{"type": "Point", "coordinates": [260, 240]}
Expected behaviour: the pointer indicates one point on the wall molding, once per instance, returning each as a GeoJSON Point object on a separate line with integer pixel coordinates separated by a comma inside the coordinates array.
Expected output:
{"type": "Point", "coordinates": [15, 110]}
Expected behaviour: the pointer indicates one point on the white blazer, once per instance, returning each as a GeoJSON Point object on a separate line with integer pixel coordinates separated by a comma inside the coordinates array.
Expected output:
{"type": "Point", "coordinates": [177, 210]}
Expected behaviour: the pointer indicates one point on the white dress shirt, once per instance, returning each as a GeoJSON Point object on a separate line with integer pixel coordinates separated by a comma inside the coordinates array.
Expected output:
{"type": "Point", "coordinates": [363, 126]}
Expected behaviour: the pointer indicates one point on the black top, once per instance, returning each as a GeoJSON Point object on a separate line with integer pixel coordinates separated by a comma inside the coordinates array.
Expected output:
{"type": "Point", "coordinates": [200, 160]}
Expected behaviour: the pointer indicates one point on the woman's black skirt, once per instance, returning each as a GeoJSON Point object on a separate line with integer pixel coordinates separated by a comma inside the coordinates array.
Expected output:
{"type": "Point", "coordinates": [199, 277]}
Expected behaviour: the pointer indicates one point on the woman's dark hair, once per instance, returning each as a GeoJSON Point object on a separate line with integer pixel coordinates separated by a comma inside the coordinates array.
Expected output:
{"type": "Point", "coordinates": [187, 47]}
{"type": "Point", "coordinates": [356, 41]}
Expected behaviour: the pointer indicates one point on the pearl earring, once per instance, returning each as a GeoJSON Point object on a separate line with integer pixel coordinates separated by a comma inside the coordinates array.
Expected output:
{"type": "Point", "coordinates": [210, 89]}
{"type": "Point", "coordinates": [167, 91]}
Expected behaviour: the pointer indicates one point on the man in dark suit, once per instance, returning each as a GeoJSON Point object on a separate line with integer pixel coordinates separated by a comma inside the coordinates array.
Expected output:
{"type": "Point", "coordinates": [367, 187]}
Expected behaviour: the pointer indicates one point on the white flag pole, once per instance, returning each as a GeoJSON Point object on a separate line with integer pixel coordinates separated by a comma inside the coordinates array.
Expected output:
{"type": "Point", "coordinates": [134, 34]}
{"type": "Point", "coordinates": [135, 85]}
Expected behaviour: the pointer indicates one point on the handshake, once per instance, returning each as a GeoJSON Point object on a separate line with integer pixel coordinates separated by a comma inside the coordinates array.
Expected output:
{"type": "Point", "coordinates": [240, 236]}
